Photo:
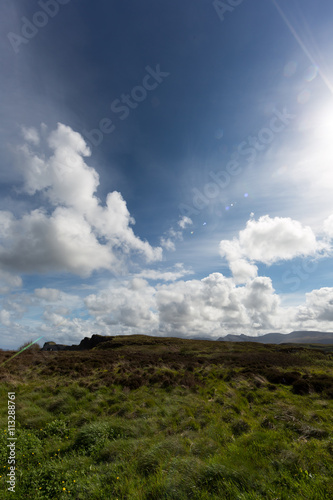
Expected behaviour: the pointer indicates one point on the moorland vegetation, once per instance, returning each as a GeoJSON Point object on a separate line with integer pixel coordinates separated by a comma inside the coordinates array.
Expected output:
{"type": "Point", "coordinates": [150, 418]}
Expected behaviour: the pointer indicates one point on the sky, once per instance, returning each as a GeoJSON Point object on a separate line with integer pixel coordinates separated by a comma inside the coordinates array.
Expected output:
{"type": "Point", "coordinates": [165, 168]}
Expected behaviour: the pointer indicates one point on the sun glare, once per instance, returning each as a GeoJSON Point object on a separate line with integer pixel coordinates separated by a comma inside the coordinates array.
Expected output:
{"type": "Point", "coordinates": [324, 124]}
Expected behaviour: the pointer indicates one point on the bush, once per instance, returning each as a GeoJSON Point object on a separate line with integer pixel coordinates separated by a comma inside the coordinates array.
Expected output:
{"type": "Point", "coordinates": [301, 387]}
{"type": "Point", "coordinates": [89, 435]}
{"type": "Point", "coordinates": [239, 427]}
{"type": "Point", "coordinates": [34, 347]}
{"type": "Point", "coordinates": [55, 428]}
{"type": "Point", "coordinates": [98, 433]}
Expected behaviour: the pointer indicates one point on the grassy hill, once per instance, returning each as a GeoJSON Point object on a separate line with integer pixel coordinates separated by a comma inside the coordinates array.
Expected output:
{"type": "Point", "coordinates": [150, 418]}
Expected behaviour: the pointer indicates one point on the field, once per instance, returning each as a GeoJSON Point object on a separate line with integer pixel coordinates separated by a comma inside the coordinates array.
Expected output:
{"type": "Point", "coordinates": [148, 418]}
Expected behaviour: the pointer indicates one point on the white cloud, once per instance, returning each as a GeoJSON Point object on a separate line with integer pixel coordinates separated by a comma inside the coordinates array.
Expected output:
{"type": "Point", "coordinates": [318, 307]}
{"type": "Point", "coordinates": [215, 306]}
{"type": "Point", "coordinates": [268, 240]}
{"type": "Point", "coordinates": [5, 317]}
{"type": "Point", "coordinates": [241, 269]}
{"type": "Point", "coordinates": [168, 244]}
{"type": "Point", "coordinates": [31, 135]}
{"type": "Point", "coordinates": [55, 319]}
{"type": "Point", "coordinates": [184, 222]}
{"type": "Point", "coordinates": [80, 235]}
{"type": "Point", "coordinates": [328, 226]}
{"type": "Point", "coordinates": [129, 306]}
{"type": "Point", "coordinates": [157, 275]}
{"type": "Point", "coordinates": [63, 241]}
{"type": "Point", "coordinates": [261, 302]}
{"type": "Point", "coordinates": [172, 235]}
{"type": "Point", "coordinates": [9, 281]}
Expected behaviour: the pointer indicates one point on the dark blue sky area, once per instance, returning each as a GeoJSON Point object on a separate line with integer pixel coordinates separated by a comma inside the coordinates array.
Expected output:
{"type": "Point", "coordinates": [218, 111]}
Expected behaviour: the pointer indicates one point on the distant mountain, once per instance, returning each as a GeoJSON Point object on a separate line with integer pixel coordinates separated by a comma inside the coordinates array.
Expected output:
{"type": "Point", "coordinates": [301, 337]}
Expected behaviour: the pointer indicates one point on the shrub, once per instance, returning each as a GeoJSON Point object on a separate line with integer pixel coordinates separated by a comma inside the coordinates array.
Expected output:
{"type": "Point", "coordinates": [97, 433]}
{"type": "Point", "coordinates": [90, 435]}
{"type": "Point", "coordinates": [322, 383]}
{"type": "Point", "coordinates": [267, 423]}
{"type": "Point", "coordinates": [55, 428]}
{"type": "Point", "coordinates": [301, 387]}
{"type": "Point", "coordinates": [239, 427]}
{"type": "Point", "coordinates": [33, 348]}
{"type": "Point", "coordinates": [250, 396]}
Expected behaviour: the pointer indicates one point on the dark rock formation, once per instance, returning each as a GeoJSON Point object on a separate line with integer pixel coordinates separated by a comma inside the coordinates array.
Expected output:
{"type": "Point", "coordinates": [85, 344]}
{"type": "Point", "coordinates": [52, 346]}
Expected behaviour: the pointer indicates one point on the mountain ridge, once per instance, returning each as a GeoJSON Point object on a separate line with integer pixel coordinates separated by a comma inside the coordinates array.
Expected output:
{"type": "Point", "coordinates": [295, 337]}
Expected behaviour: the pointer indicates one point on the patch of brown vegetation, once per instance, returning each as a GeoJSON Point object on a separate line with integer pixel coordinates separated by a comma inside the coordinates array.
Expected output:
{"type": "Point", "coordinates": [137, 360]}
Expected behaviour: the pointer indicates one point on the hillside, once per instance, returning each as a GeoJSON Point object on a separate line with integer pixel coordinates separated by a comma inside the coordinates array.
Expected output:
{"type": "Point", "coordinates": [302, 337]}
{"type": "Point", "coordinates": [151, 418]}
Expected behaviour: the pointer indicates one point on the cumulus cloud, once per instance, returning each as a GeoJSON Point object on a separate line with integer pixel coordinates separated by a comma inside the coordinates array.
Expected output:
{"type": "Point", "coordinates": [242, 270]}
{"type": "Point", "coordinates": [318, 307]}
{"type": "Point", "coordinates": [213, 306]}
{"type": "Point", "coordinates": [268, 240]}
{"type": "Point", "coordinates": [261, 302]}
{"type": "Point", "coordinates": [128, 306]}
{"type": "Point", "coordinates": [80, 235]}
{"type": "Point", "coordinates": [63, 241]}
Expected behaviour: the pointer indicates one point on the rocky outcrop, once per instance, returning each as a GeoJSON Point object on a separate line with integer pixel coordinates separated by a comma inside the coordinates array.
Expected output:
{"type": "Point", "coordinates": [85, 344]}
{"type": "Point", "coordinates": [52, 346]}
{"type": "Point", "coordinates": [90, 343]}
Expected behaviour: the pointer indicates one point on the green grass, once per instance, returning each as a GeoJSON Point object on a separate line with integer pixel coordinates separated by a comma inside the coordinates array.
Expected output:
{"type": "Point", "coordinates": [155, 419]}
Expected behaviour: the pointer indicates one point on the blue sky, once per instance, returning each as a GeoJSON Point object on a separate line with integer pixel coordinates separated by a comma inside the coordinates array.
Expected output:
{"type": "Point", "coordinates": [166, 168]}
